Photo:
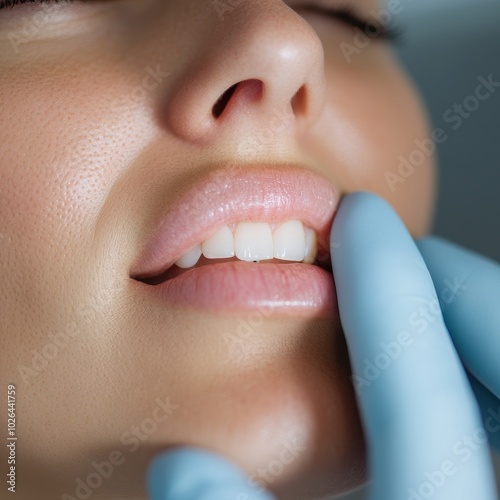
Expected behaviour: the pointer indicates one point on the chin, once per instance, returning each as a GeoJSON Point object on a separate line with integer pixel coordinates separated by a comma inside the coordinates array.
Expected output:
{"type": "Point", "coordinates": [290, 420]}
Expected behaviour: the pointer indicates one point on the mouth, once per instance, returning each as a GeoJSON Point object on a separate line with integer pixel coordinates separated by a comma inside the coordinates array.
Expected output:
{"type": "Point", "coordinates": [243, 238]}
{"type": "Point", "coordinates": [253, 242]}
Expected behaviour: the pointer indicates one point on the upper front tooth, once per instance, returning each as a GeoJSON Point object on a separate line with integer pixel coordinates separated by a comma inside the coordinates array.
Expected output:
{"type": "Point", "coordinates": [289, 241]}
{"type": "Point", "coordinates": [220, 245]}
{"type": "Point", "coordinates": [190, 258]}
{"type": "Point", "coordinates": [253, 241]}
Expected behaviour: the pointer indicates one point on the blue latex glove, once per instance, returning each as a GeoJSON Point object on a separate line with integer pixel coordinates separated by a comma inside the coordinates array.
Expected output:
{"type": "Point", "coordinates": [468, 286]}
{"type": "Point", "coordinates": [420, 416]}
{"type": "Point", "coordinates": [422, 422]}
{"type": "Point", "coordinates": [195, 474]}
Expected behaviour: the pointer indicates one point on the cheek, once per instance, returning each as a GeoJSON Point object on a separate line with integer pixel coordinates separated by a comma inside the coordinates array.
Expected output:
{"type": "Point", "coordinates": [371, 135]}
{"type": "Point", "coordinates": [73, 140]}
{"type": "Point", "coordinates": [63, 150]}
{"type": "Point", "coordinates": [76, 139]}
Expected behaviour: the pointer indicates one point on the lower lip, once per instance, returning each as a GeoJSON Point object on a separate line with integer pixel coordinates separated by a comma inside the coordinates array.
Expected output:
{"type": "Point", "coordinates": [291, 289]}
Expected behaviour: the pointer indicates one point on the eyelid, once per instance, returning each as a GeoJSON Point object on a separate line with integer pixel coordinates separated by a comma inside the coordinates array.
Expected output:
{"type": "Point", "coordinates": [50, 21]}
{"type": "Point", "coordinates": [353, 17]}
{"type": "Point", "coordinates": [345, 12]}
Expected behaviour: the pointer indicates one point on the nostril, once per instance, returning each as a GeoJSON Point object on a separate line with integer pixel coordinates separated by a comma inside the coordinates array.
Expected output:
{"type": "Point", "coordinates": [299, 101]}
{"type": "Point", "coordinates": [221, 103]}
{"type": "Point", "coordinates": [247, 91]}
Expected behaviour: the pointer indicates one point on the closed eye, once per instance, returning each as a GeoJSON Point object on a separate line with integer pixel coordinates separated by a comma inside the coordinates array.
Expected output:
{"type": "Point", "coordinates": [345, 14]}
{"type": "Point", "coordinates": [12, 3]}
{"type": "Point", "coordinates": [351, 17]}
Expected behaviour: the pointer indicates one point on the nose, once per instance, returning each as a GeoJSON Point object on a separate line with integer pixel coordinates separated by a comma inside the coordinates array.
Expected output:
{"type": "Point", "coordinates": [263, 62]}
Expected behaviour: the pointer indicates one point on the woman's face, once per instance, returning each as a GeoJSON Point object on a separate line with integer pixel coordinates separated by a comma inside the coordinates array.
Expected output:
{"type": "Point", "coordinates": [107, 124]}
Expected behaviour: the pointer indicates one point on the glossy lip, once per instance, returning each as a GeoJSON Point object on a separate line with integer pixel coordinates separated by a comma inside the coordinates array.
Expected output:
{"type": "Point", "coordinates": [234, 194]}
{"type": "Point", "coordinates": [293, 289]}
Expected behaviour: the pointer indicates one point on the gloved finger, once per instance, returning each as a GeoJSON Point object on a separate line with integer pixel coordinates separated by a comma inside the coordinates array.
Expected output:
{"type": "Point", "coordinates": [190, 473]}
{"type": "Point", "coordinates": [415, 400]}
{"type": "Point", "coordinates": [490, 411]}
{"type": "Point", "coordinates": [468, 289]}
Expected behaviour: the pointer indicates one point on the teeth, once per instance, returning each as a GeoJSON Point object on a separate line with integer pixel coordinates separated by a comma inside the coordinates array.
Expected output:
{"type": "Point", "coordinates": [311, 246]}
{"type": "Point", "coordinates": [190, 258]}
{"type": "Point", "coordinates": [290, 241]}
{"type": "Point", "coordinates": [220, 245]}
{"type": "Point", "coordinates": [253, 241]}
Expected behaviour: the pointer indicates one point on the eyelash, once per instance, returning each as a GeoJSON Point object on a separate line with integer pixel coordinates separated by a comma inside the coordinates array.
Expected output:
{"type": "Point", "coordinates": [11, 3]}
{"type": "Point", "coordinates": [354, 19]}
{"type": "Point", "coordinates": [343, 14]}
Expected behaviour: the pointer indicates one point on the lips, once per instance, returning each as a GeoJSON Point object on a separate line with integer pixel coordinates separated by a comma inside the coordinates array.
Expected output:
{"type": "Point", "coordinates": [229, 197]}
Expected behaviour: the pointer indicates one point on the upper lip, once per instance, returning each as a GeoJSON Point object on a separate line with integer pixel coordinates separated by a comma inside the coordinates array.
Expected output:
{"type": "Point", "coordinates": [260, 193]}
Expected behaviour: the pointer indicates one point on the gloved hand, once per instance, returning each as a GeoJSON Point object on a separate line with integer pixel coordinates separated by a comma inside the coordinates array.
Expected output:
{"type": "Point", "coordinates": [425, 437]}
{"type": "Point", "coordinates": [468, 288]}
{"type": "Point", "coordinates": [422, 422]}
{"type": "Point", "coordinates": [195, 474]}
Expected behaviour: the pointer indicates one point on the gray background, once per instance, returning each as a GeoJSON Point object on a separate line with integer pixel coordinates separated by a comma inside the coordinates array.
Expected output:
{"type": "Point", "coordinates": [446, 46]}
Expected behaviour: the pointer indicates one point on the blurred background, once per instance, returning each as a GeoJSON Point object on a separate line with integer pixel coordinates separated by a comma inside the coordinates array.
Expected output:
{"type": "Point", "coordinates": [446, 46]}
